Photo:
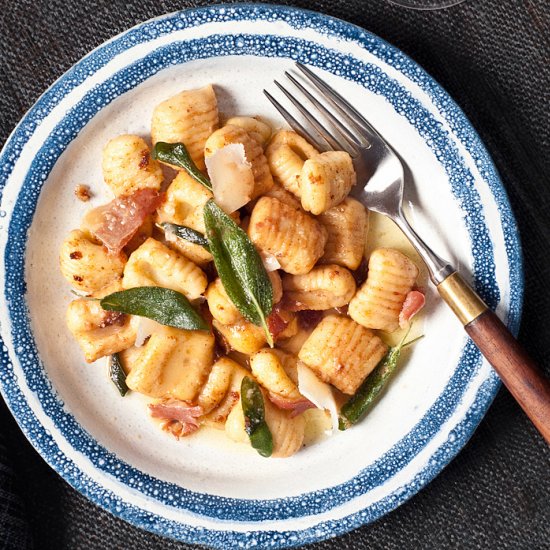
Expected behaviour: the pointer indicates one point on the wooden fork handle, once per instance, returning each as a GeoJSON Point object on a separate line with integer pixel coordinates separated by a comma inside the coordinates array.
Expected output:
{"type": "Point", "coordinates": [519, 373]}
{"type": "Point", "coordinates": [516, 369]}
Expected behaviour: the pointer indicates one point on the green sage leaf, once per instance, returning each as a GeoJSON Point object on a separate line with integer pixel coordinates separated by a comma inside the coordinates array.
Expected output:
{"type": "Point", "coordinates": [117, 374]}
{"type": "Point", "coordinates": [186, 233]}
{"type": "Point", "coordinates": [239, 266]}
{"type": "Point", "coordinates": [176, 154]}
{"type": "Point", "coordinates": [365, 397]}
{"type": "Point", "coordinates": [258, 431]}
{"type": "Point", "coordinates": [163, 305]}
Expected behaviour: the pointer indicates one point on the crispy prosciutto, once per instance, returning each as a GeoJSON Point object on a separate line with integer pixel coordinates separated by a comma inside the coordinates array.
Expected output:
{"type": "Point", "coordinates": [297, 407]}
{"type": "Point", "coordinates": [414, 302]}
{"type": "Point", "coordinates": [180, 417]}
{"type": "Point", "coordinates": [275, 323]}
{"type": "Point", "coordinates": [114, 224]}
{"type": "Point", "coordinates": [308, 319]}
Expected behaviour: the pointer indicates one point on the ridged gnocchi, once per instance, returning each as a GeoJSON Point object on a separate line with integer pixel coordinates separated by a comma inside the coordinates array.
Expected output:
{"type": "Point", "coordinates": [172, 363]}
{"type": "Point", "coordinates": [342, 352]}
{"type": "Point", "coordinates": [128, 165]}
{"type": "Point", "coordinates": [271, 369]}
{"type": "Point", "coordinates": [86, 264]}
{"type": "Point", "coordinates": [324, 287]}
{"type": "Point", "coordinates": [221, 307]}
{"type": "Point", "coordinates": [154, 264]}
{"type": "Point", "coordinates": [189, 117]}
{"type": "Point", "coordinates": [286, 154]}
{"type": "Point", "coordinates": [325, 181]}
{"type": "Point", "coordinates": [242, 336]}
{"type": "Point", "coordinates": [218, 416]}
{"type": "Point", "coordinates": [280, 193]}
{"type": "Point", "coordinates": [98, 332]}
{"type": "Point", "coordinates": [217, 385]}
{"type": "Point", "coordinates": [184, 204]}
{"type": "Point", "coordinates": [258, 130]}
{"type": "Point", "coordinates": [380, 299]}
{"type": "Point", "coordinates": [294, 238]}
{"type": "Point", "coordinates": [347, 225]}
{"type": "Point", "coordinates": [287, 431]}
{"type": "Point", "coordinates": [229, 134]}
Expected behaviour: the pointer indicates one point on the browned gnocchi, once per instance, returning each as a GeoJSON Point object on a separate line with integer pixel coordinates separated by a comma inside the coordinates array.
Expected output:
{"type": "Point", "coordinates": [189, 117]}
{"type": "Point", "coordinates": [295, 239]}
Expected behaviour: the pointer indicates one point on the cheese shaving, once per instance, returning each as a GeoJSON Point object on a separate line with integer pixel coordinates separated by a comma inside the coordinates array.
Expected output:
{"type": "Point", "coordinates": [231, 176]}
{"type": "Point", "coordinates": [317, 392]}
{"type": "Point", "coordinates": [144, 328]}
{"type": "Point", "coordinates": [170, 235]}
{"type": "Point", "coordinates": [270, 262]}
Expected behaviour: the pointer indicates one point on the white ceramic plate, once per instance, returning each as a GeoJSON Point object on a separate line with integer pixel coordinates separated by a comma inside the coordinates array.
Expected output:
{"type": "Point", "coordinates": [201, 489]}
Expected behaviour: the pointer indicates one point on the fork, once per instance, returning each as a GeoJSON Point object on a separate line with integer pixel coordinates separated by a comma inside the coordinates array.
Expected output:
{"type": "Point", "coordinates": [380, 182]}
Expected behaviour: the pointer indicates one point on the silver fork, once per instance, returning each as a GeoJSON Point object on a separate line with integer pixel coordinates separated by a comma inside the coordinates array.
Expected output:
{"type": "Point", "coordinates": [380, 182]}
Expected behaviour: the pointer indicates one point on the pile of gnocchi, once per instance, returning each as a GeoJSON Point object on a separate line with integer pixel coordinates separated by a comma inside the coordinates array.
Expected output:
{"type": "Point", "coordinates": [325, 331]}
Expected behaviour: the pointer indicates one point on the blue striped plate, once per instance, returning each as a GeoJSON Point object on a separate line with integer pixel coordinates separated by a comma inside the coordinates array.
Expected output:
{"type": "Point", "coordinates": [202, 489]}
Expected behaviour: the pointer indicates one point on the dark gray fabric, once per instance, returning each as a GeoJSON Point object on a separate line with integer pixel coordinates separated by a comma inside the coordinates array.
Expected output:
{"type": "Point", "coordinates": [15, 532]}
{"type": "Point", "coordinates": [494, 58]}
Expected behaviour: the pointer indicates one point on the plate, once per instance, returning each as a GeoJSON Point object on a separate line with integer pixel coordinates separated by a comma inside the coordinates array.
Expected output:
{"type": "Point", "coordinates": [201, 489]}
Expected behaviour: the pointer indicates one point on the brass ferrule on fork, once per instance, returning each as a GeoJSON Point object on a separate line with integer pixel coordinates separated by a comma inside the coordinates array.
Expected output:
{"type": "Point", "coordinates": [460, 297]}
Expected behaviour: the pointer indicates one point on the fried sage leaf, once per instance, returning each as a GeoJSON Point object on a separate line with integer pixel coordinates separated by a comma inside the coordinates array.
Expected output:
{"type": "Point", "coordinates": [176, 154]}
{"type": "Point", "coordinates": [239, 267]}
{"type": "Point", "coordinates": [366, 395]}
{"type": "Point", "coordinates": [186, 233]}
{"type": "Point", "coordinates": [117, 374]}
{"type": "Point", "coordinates": [255, 425]}
{"type": "Point", "coordinates": [163, 305]}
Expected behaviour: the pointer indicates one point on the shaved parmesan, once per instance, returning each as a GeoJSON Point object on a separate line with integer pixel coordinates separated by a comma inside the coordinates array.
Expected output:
{"type": "Point", "coordinates": [144, 328]}
{"type": "Point", "coordinates": [170, 234]}
{"type": "Point", "coordinates": [231, 176]}
{"type": "Point", "coordinates": [317, 392]}
{"type": "Point", "coordinates": [270, 262]}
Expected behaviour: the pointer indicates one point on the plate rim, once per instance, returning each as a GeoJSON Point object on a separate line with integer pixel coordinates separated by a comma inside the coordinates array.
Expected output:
{"type": "Point", "coordinates": [513, 319]}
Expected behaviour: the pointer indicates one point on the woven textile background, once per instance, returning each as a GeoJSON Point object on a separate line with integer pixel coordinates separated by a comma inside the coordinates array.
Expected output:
{"type": "Point", "coordinates": [493, 57]}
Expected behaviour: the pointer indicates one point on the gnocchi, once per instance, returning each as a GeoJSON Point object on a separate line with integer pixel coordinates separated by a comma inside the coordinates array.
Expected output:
{"type": "Point", "coordinates": [380, 299]}
{"type": "Point", "coordinates": [347, 226]}
{"type": "Point", "coordinates": [230, 134]}
{"type": "Point", "coordinates": [342, 352]}
{"type": "Point", "coordinates": [295, 239]}
{"type": "Point", "coordinates": [189, 117]}
{"type": "Point", "coordinates": [86, 264]}
{"type": "Point", "coordinates": [325, 181]}
{"type": "Point", "coordinates": [286, 154]}
{"type": "Point", "coordinates": [153, 264]}
{"type": "Point", "coordinates": [324, 287]}
{"type": "Point", "coordinates": [128, 166]}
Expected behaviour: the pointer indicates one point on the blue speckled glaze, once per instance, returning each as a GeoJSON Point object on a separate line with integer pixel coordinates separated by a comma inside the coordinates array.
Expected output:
{"type": "Point", "coordinates": [462, 183]}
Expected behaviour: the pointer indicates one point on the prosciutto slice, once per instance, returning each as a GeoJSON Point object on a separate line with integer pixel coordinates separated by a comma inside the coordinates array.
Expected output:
{"type": "Point", "coordinates": [275, 323]}
{"type": "Point", "coordinates": [296, 406]}
{"type": "Point", "coordinates": [117, 222]}
{"type": "Point", "coordinates": [180, 417]}
{"type": "Point", "coordinates": [413, 303]}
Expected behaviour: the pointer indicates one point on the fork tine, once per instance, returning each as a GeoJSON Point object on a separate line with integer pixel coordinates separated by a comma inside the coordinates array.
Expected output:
{"type": "Point", "coordinates": [295, 125]}
{"type": "Point", "coordinates": [344, 107]}
{"type": "Point", "coordinates": [324, 132]}
{"type": "Point", "coordinates": [344, 130]}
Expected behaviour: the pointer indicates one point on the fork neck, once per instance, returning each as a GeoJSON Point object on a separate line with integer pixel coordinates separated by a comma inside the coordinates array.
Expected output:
{"type": "Point", "coordinates": [439, 268]}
